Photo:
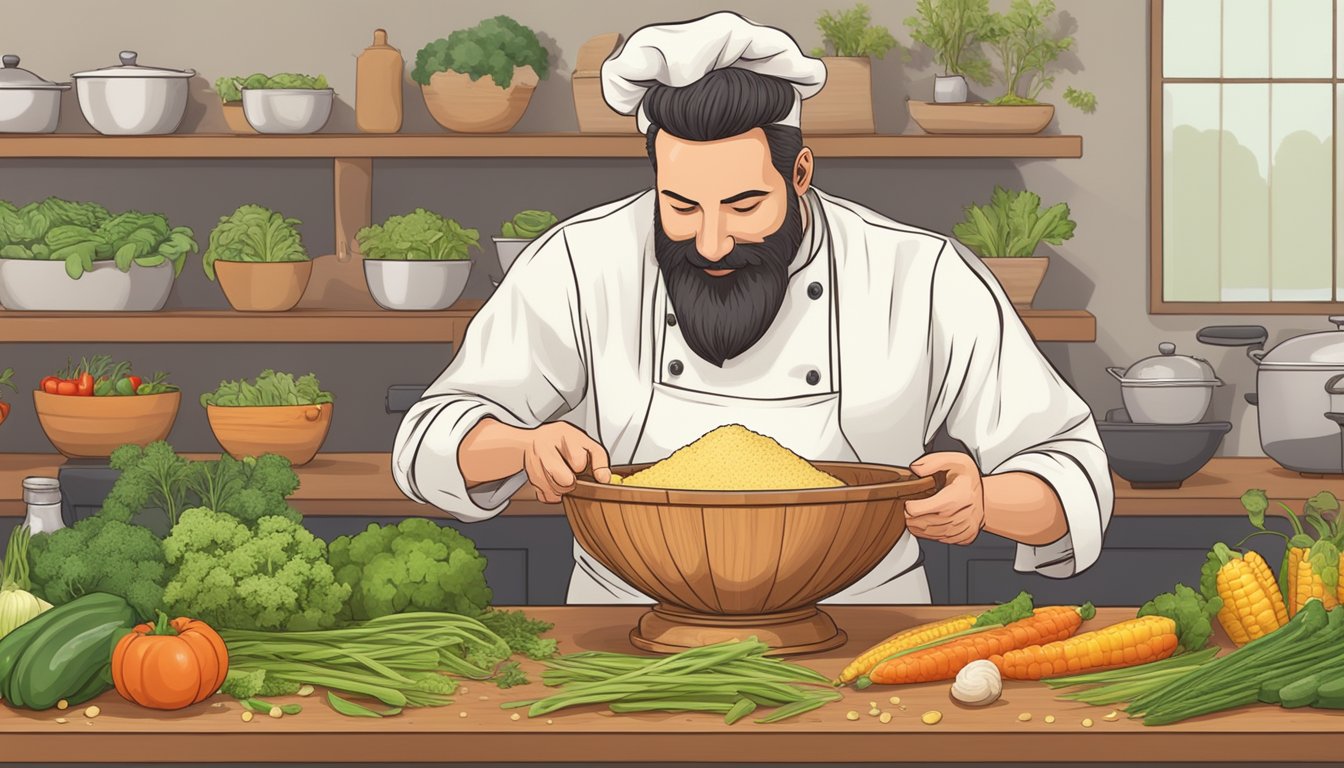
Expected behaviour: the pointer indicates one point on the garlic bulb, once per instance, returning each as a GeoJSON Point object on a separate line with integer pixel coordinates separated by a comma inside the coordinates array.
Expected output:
{"type": "Point", "coordinates": [978, 684]}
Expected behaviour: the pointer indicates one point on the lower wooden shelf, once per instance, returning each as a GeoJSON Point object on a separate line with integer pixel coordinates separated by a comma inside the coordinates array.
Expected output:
{"type": "Point", "coordinates": [361, 485]}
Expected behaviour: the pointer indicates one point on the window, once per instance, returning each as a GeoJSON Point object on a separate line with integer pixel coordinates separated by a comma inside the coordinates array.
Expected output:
{"type": "Point", "coordinates": [1245, 199]}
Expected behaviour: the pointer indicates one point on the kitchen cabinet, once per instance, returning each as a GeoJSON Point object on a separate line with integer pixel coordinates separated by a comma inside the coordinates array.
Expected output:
{"type": "Point", "coordinates": [475, 730]}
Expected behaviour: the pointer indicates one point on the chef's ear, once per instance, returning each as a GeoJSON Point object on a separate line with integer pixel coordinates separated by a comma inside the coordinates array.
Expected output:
{"type": "Point", "coordinates": [802, 172]}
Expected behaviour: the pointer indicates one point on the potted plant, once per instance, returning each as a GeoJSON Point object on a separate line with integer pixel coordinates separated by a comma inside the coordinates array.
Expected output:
{"type": "Point", "coordinates": [231, 101]}
{"type": "Point", "coordinates": [480, 80]}
{"type": "Point", "coordinates": [954, 31]}
{"type": "Point", "coordinates": [419, 261]}
{"type": "Point", "coordinates": [58, 255]}
{"type": "Point", "coordinates": [6, 380]}
{"type": "Point", "coordinates": [287, 102]}
{"type": "Point", "coordinates": [95, 406]}
{"type": "Point", "coordinates": [845, 103]}
{"type": "Point", "coordinates": [259, 259]}
{"type": "Point", "coordinates": [275, 413]}
{"type": "Point", "coordinates": [516, 233]}
{"type": "Point", "coordinates": [1005, 234]}
{"type": "Point", "coordinates": [1026, 49]}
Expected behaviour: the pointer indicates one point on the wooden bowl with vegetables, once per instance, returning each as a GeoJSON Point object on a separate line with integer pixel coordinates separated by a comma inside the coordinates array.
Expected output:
{"type": "Point", "coordinates": [751, 559]}
{"type": "Point", "coordinates": [275, 413]}
{"type": "Point", "coordinates": [96, 406]}
{"type": "Point", "coordinates": [6, 380]}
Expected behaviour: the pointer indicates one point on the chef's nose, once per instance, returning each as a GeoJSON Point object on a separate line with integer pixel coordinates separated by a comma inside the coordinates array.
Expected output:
{"type": "Point", "coordinates": [713, 241]}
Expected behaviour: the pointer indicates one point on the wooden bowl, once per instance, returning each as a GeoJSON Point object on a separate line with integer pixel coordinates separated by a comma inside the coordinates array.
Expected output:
{"type": "Point", "coordinates": [293, 431]}
{"type": "Point", "coordinates": [980, 118]}
{"type": "Point", "coordinates": [461, 104]}
{"type": "Point", "coordinates": [94, 427]}
{"type": "Point", "coordinates": [726, 565]}
{"type": "Point", "coordinates": [263, 286]}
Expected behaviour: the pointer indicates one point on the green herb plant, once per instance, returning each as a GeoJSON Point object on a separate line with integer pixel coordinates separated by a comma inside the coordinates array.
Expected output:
{"type": "Point", "coordinates": [528, 225]}
{"type": "Point", "coordinates": [230, 89]}
{"type": "Point", "coordinates": [1026, 49]}
{"type": "Point", "coordinates": [492, 48]}
{"type": "Point", "coordinates": [254, 234]}
{"type": "Point", "coordinates": [955, 30]}
{"type": "Point", "coordinates": [1013, 225]}
{"type": "Point", "coordinates": [269, 389]}
{"type": "Point", "coordinates": [418, 236]}
{"type": "Point", "coordinates": [82, 234]}
{"type": "Point", "coordinates": [851, 33]}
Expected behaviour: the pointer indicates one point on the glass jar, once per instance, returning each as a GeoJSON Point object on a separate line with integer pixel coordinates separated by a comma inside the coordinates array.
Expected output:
{"type": "Point", "coordinates": [43, 497]}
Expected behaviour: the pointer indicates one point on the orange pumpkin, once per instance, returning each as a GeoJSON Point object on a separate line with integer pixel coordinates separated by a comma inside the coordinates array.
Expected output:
{"type": "Point", "coordinates": [169, 665]}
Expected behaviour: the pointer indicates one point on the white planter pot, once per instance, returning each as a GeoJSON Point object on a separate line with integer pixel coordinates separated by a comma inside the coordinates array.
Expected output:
{"type": "Point", "coordinates": [43, 286]}
{"type": "Point", "coordinates": [416, 285]}
{"type": "Point", "coordinates": [949, 89]}
{"type": "Point", "coordinates": [509, 248]}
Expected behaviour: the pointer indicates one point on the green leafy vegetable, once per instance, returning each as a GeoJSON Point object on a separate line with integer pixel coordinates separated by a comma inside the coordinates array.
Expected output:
{"type": "Point", "coordinates": [511, 675]}
{"type": "Point", "coordinates": [494, 47]}
{"type": "Point", "coordinates": [82, 234]}
{"type": "Point", "coordinates": [1192, 613]}
{"type": "Point", "coordinates": [230, 89]}
{"type": "Point", "coordinates": [521, 632]}
{"type": "Point", "coordinates": [270, 388]}
{"type": "Point", "coordinates": [351, 709]}
{"type": "Point", "coordinates": [1018, 608]}
{"type": "Point", "coordinates": [271, 575]}
{"type": "Point", "coordinates": [528, 224]}
{"type": "Point", "coordinates": [246, 684]}
{"type": "Point", "coordinates": [254, 234]}
{"type": "Point", "coordinates": [1026, 49]}
{"type": "Point", "coordinates": [851, 33]}
{"type": "Point", "coordinates": [418, 236]}
{"type": "Point", "coordinates": [1013, 225]}
{"type": "Point", "coordinates": [7, 379]}
{"type": "Point", "coordinates": [955, 30]}
{"type": "Point", "coordinates": [99, 554]}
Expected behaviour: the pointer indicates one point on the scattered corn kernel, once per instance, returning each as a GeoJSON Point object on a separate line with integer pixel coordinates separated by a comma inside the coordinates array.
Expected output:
{"type": "Point", "coordinates": [247, 717]}
{"type": "Point", "coordinates": [483, 698]}
{"type": "Point", "coordinates": [852, 715]}
{"type": "Point", "coordinates": [1024, 717]}
{"type": "Point", "coordinates": [461, 714]}
{"type": "Point", "coordinates": [895, 700]}
{"type": "Point", "coordinates": [1049, 718]}
{"type": "Point", "coordinates": [276, 712]}
{"type": "Point", "coordinates": [874, 712]}
{"type": "Point", "coordinates": [62, 704]}
{"type": "Point", "coordinates": [932, 717]}
{"type": "Point", "coordinates": [217, 704]}
{"type": "Point", "coordinates": [305, 690]}
{"type": "Point", "coordinates": [1112, 715]}
{"type": "Point", "coordinates": [462, 691]}
{"type": "Point", "coordinates": [902, 707]}
{"type": "Point", "coordinates": [548, 722]}
{"type": "Point", "coordinates": [514, 716]}
{"type": "Point", "coordinates": [62, 720]}
{"type": "Point", "coordinates": [92, 711]}
{"type": "Point", "coordinates": [885, 717]}
{"type": "Point", "coordinates": [1087, 722]}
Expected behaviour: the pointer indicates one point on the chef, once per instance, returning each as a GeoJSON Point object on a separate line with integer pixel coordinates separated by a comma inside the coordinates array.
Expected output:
{"type": "Point", "coordinates": [736, 292]}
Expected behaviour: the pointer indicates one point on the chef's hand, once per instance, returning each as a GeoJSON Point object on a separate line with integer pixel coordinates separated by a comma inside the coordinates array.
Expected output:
{"type": "Point", "coordinates": [955, 514]}
{"type": "Point", "coordinates": [554, 454]}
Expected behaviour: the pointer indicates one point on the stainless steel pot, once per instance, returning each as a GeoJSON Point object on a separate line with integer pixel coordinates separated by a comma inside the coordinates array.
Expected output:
{"type": "Point", "coordinates": [28, 104]}
{"type": "Point", "coordinates": [132, 100]}
{"type": "Point", "coordinates": [1299, 383]}
{"type": "Point", "coordinates": [1167, 388]}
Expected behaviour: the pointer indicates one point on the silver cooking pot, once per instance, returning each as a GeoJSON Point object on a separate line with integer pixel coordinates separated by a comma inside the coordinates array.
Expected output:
{"type": "Point", "coordinates": [28, 104]}
{"type": "Point", "coordinates": [1299, 391]}
{"type": "Point", "coordinates": [1167, 388]}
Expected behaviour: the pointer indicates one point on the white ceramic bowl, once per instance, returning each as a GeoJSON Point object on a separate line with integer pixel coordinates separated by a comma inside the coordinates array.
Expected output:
{"type": "Point", "coordinates": [416, 285]}
{"type": "Point", "coordinates": [287, 110]}
{"type": "Point", "coordinates": [43, 286]}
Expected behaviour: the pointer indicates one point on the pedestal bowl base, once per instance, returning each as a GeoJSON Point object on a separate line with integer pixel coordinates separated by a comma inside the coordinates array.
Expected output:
{"type": "Point", "coordinates": [670, 630]}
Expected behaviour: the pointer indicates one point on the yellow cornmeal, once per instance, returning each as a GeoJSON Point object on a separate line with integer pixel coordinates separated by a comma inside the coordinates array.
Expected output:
{"type": "Point", "coordinates": [731, 458]}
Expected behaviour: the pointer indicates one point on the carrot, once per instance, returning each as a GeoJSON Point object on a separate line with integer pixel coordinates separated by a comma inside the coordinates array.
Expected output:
{"type": "Point", "coordinates": [944, 661]}
{"type": "Point", "coordinates": [1129, 643]}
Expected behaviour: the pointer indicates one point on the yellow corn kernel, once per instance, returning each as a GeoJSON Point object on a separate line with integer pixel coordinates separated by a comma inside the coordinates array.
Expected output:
{"type": "Point", "coordinates": [901, 641]}
{"type": "Point", "coordinates": [1339, 593]}
{"type": "Point", "coordinates": [1265, 576]}
{"type": "Point", "coordinates": [1304, 583]}
{"type": "Point", "coordinates": [1251, 607]}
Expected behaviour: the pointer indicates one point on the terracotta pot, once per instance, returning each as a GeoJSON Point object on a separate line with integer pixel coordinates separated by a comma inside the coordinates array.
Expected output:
{"type": "Point", "coordinates": [263, 286]}
{"type": "Point", "coordinates": [734, 564]}
{"type": "Point", "coordinates": [1020, 278]}
{"type": "Point", "coordinates": [236, 119]}
{"type": "Point", "coordinates": [293, 431]}
{"type": "Point", "coordinates": [845, 102]}
{"type": "Point", "coordinates": [981, 118]}
{"type": "Point", "coordinates": [94, 427]}
{"type": "Point", "coordinates": [461, 104]}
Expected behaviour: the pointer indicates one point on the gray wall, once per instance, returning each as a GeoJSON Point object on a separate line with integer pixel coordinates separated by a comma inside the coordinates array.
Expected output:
{"type": "Point", "coordinates": [1103, 269]}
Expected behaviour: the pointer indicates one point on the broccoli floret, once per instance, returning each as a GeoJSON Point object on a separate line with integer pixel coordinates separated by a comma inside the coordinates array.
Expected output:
{"type": "Point", "coordinates": [249, 489]}
{"type": "Point", "coordinates": [100, 554]}
{"type": "Point", "coordinates": [247, 684]}
{"type": "Point", "coordinates": [273, 575]}
{"type": "Point", "coordinates": [1191, 612]}
{"type": "Point", "coordinates": [523, 634]}
{"type": "Point", "coordinates": [415, 565]}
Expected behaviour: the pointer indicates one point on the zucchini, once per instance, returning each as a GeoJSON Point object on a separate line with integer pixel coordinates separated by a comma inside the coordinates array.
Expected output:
{"type": "Point", "coordinates": [13, 644]}
{"type": "Point", "coordinates": [68, 651]}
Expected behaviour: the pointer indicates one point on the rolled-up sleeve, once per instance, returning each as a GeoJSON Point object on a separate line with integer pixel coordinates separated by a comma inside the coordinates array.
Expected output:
{"type": "Point", "coordinates": [522, 363]}
{"type": "Point", "coordinates": [1003, 400]}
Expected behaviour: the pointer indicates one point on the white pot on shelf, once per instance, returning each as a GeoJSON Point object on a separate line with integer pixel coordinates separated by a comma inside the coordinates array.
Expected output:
{"type": "Point", "coordinates": [43, 286]}
{"type": "Point", "coordinates": [950, 89]}
{"type": "Point", "coordinates": [416, 285]}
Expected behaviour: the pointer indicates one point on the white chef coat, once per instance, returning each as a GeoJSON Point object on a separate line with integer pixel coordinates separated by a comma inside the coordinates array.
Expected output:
{"type": "Point", "coordinates": [923, 334]}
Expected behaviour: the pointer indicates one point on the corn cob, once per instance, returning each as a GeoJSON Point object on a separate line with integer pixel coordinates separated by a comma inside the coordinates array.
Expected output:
{"type": "Point", "coordinates": [910, 638]}
{"type": "Point", "coordinates": [1252, 604]}
{"type": "Point", "coordinates": [1137, 641]}
{"type": "Point", "coordinates": [1304, 582]}
{"type": "Point", "coordinates": [1339, 591]}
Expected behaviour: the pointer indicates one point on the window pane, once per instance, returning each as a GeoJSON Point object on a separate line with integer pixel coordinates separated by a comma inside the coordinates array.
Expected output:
{"type": "Point", "coordinates": [1302, 38]}
{"type": "Point", "coordinates": [1190, 39]}
{"type": "Point", "coordinates": [1300, 193]}
{"type": "Point", "coordinates": [1190, 233]}
{"type": "Point", "coordinates": [1246, 39]}
{"type": "Point", "coordinates": [1245, 193]}
{"type": "Point", "coordinates": [1339, 203]}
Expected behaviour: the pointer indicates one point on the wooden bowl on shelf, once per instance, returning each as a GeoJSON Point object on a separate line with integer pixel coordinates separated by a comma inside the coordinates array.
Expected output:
{"type": "Point", "coordinates": [974, 117]}
{"type": "Point", "coordinates": [263, 286]}
{"type": "Point", "coordinates": [94, 427]}
{"type": "Point", "coordinates": [293, 431]}
{"type": "Point", "coordinates": [731, 564]}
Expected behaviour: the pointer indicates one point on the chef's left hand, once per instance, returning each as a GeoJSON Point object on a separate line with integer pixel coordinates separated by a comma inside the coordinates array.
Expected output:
{"type": "Point", "coordinates": [955, 514]}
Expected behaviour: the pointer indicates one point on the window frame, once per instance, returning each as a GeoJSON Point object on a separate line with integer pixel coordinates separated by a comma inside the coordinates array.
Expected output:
{"type": "Point", "coordinates": [1157, 304]}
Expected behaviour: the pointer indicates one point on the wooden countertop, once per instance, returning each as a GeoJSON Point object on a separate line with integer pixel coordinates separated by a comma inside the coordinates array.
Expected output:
{"type": "Point", "coordinates": [213, 731]}
{"type": "Point", "coordinates": [337, 484]}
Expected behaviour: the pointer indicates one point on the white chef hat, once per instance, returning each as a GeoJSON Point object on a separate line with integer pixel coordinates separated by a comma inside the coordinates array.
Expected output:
{"type": "Point", "coordinates": [680, 54]}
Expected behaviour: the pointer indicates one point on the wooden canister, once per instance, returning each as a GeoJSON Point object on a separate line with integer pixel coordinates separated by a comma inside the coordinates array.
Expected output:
{"type": "Point", "coordinates": [378, 76]}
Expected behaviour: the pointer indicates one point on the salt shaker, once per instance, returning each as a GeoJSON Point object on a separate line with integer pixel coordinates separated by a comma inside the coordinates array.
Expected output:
{"type": "Point", "coordinates": [43, 497]}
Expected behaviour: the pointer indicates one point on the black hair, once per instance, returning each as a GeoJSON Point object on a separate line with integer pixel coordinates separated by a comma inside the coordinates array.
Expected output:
{"type": "Point", "coordinates": [725, 103]}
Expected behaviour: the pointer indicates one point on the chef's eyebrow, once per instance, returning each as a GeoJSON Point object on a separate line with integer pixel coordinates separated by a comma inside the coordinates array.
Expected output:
{"type": "Point", "coordinates": [675, 196]}
{"type": "Point", "coordinates": [739, 197]}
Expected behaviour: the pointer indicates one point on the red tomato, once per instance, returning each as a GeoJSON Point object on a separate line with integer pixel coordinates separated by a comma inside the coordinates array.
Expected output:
{"type": "Point", "coordinates": [84, 385]}
{"type": "Point", "coordinates": [48, 385]}
{"type": "Point", "coordinates": [4, 410]}
{"type": "Point", "coordinates": [135, 382]}
{"type": "Point", "coordinates": [67, 388]}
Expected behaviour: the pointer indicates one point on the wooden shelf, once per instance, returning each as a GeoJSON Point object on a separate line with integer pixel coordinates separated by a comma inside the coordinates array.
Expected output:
{"type": "Point", "coordinates": [502, 145]}
{"type": "Point", "coordinates": [343, 326]}
{"type": "Point", "coordinates": [361, 484]}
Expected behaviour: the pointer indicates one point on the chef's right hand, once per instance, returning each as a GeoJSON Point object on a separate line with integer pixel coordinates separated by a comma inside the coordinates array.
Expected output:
{"type": "Point", "coordinates": [554, 454]}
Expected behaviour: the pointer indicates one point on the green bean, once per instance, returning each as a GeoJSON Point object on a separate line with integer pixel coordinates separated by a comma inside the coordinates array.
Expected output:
{"type": "Point", "coordinates": [801, 707]}
{"type": "Point", "coordinates": [673, 705]}
{"type": "Point", "coordinates": [741, 709]}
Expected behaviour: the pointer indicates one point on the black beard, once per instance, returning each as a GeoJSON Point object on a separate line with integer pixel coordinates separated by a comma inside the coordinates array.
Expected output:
{"type": "Point", "coordinates": [722, 317]}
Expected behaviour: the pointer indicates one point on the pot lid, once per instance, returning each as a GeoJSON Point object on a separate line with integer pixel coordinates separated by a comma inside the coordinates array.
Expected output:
{"type": "Point", "coordinates": [12, 76]}
{"type": "Point", "coordinates": [129, 68]}
{"type": "Point", "coordinates": [1323, 349]}
{"type": "Point", "coordinates": [1167, 366]}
